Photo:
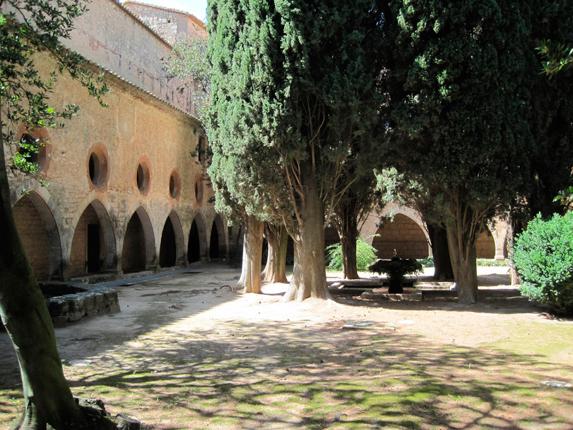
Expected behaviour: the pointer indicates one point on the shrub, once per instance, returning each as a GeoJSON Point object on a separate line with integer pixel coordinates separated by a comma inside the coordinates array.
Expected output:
{"type": "Point", "coordinates": [543, 256]}
{"type": "Point", "coordinates": [426, 262]}
{"type": "Point", "coordinates": [365, 255]}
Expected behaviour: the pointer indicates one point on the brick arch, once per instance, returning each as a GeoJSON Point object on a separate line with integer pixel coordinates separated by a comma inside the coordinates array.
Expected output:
{"type": "Point", "coordinates": [39, 235]}
{"type": "Point", "coordinates": [138, 251]}
{"type": "Point", "coordinates": [403, 234]}
{"type": "Point", "coordinates": [218, 239]}
{"type": "Point", "coordinates": [197, 239]}
{"type": "Point", "coordinates": [86, 239]}
{"type": "Point", "coordinates": [172, 248]}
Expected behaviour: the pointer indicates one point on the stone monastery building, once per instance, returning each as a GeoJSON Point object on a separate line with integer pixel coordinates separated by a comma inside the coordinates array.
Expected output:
{"type": "Point", "coordinates": [125, 188]}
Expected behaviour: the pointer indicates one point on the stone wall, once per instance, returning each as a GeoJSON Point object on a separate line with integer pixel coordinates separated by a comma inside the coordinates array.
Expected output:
{"type": "Point", "coordinates": [171, 24]}
{"type": "Point", "coordinates": [402, 228]}
{"type": "Point", "coordinates": [404, 236]}
{"type": "Point", "coordinates": [116, 40]}
{"type": "Point", "coordinates": [93, 162]}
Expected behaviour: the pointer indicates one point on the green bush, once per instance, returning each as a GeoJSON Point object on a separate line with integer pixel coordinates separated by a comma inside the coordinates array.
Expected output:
{"type": "Point", "coordinates": [426, 262]}
{"type": "Point", "coordinates": [543, 256]}
{"type": "Point", "coordinates": [365, 255]}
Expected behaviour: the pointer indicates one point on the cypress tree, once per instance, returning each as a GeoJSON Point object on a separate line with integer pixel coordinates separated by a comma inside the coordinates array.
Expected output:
{"type": "Point", "coordinates": [292, 88]}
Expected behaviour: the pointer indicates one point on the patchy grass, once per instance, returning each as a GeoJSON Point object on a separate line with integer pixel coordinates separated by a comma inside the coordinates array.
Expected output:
{"type": "Point", "coordinates": [199, 369]}
{"type": "Point", "coordinates": [549, 340]}
{"type": "Point", "coordinates": [335, 378]}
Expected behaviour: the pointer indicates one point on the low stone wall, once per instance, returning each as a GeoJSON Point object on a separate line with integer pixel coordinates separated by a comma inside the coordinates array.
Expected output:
{"type": "Point", "coordinates": [73, 307]}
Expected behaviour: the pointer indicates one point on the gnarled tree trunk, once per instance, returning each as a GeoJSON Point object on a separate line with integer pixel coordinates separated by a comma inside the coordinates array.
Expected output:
{"type": "Point", "coordinates": [47, 396]}
{"type": "Point", "coordinates": [462, 246]}
{"type": "Point", "coordinates": [252, 255]}
{"type": "Point", "coordinates": [275, 268]}
{"type": "Point", "coordinates": [309, 273]}
{"type": "Point", "coordinates": [443, 270]}
{"type": "Point", "coordinates": [348, 237]}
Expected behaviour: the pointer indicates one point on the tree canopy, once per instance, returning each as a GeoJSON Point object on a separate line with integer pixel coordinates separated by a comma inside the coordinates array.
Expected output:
{"type": "Point", "coordinates": [292, 85]}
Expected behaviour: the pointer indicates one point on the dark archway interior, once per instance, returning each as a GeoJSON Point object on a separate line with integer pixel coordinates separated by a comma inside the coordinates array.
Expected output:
{"type": "Point", "coordinates": [290, 252]}
{"type": "Point", "coordinates": [194, 246]}
{"type": "Point", "coordinates": [168, 249]}
{"type": "Point", "coordinates": [88, 245]}
{"type": "Point", "coordinates": [214, 252]}
{"type": "Point", "coordinates": [37, 231]}
{"type": "Point", "coordinates": [133, 256]}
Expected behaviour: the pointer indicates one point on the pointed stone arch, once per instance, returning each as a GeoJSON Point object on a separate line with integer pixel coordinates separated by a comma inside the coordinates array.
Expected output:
{"type": "Point", "coordinates": [403, 234]}
{"type": "Point", "coordinates": [138, 252]}
{"type": "Point", "coordinates": [39, 235]}
{"type": "Point", "coordinates": [485, 244]}
{"type": "Point", "coordinates": [93, 247]}
{"type": "Point", "coordinates": [172, 247]}
{"type": "Point", "coordinates": [218, 239]}
{"type": "Point", "coordinates": [197, 241]}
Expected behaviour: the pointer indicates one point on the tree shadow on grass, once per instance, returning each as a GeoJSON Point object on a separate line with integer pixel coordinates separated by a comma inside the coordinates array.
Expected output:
{"type": "Point", "coordinates": [263, 376]}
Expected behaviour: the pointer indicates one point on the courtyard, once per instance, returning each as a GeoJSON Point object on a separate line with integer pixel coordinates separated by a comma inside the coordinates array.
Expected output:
{"type": "Point", "coordinates": [189, 352]}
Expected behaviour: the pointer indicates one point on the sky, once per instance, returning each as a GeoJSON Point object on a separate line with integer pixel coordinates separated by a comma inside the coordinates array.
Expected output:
{"type": "Point", "coordinates": [196, 7]}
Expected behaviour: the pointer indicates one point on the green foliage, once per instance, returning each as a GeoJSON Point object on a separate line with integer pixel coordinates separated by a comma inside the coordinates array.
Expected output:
{"type": "Point", "coordinates": [426, 262]}
{"type": "Point", "coordinates": [188, 61]}
{"type": "Point", "coordinates": [28, 28]}
{"type": "Point", "coordinates": [490, 262]}
{"type": "Point", "coordinates": [365, 255]}
{"type": "Point", "coordinates": [557, 57]}
{"type": "Point", "coordinates": [458, 111]}
{"type": "Point", "coordinates": [543, 256]}
{"type": "Point", "coordinates": [396, 268]}
{"type": "Point", "coordinates": [292, 98]}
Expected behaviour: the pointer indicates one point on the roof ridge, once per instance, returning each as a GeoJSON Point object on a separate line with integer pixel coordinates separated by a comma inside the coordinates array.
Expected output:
{"type": "Point", "coordinates": [169, 9]}
{"type": "Point", "coordinates": [140, 21]}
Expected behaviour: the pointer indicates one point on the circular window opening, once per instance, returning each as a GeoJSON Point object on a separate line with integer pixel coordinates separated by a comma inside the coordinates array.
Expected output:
{"type": "Point", "coordinates": [143, 178]}
{"type": "Point", "coordinates": [97, 168]}
{"type": "Point", "coordinates": [174, 185]}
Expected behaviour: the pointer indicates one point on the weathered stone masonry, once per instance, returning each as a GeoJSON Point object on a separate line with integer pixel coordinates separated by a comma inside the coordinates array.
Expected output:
{"type": "Point", "coordinates": [124, 190]}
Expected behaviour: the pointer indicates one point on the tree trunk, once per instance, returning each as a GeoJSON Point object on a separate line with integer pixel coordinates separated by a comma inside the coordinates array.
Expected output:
{"type": "Point", "coordinates": [252, 255]}
{"type": "Point", "coordinates": [244, 265]}
{"type": "Point", "coordinates": [275, 268]}
{"type": "Point", "coordinates": [47, 396]}
{"type": "Point", "coordinates": [348, 241]}
{"type": "Point", "coordinates": [462, 247]}
{"type": "Point", "coordinates": [309, 273]}
{"type": "Point", "coordinates": [512, 231]}
{"type": "Point", "coordinates": [443, 270]}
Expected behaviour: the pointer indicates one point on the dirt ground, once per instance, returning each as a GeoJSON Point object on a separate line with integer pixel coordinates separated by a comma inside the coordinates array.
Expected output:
{"type": "Point", "coordinates": [188, 352]}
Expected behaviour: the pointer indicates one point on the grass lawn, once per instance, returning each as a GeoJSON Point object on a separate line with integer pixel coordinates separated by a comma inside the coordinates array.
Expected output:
{"type": "Point", "coordinates": [242, 362]}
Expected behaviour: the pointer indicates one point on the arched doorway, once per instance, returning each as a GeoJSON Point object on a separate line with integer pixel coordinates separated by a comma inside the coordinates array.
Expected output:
{"type": "Point", "coordinates": [138, 251]}
{"type": "Point", "coordinates": [403, 235]}
{"type": "Point", "coordinates": [485, 245]}
{"type": "Point", "coordinates": [217, 240]}
{"type": "Point", "coordinates": [172, 243]}
{"type": "Point", "coordinates": [197, 244]}
{"type": "Point", "coordinates": [39, 236]}
{"type": "Point", "coordinates": [93, 244]}
{"type": "Point", "coordinates": [214, 250]}
{"type": "Point", "coordinates": [168, 248]}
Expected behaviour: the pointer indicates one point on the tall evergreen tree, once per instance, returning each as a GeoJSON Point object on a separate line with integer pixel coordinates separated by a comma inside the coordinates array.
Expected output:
{"type": "Point", "coordinates": [292, 86]}
{"type": "Point", "coordinates": [29, 28]}
{"type": "Point", "coordinates": [459, 111]}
